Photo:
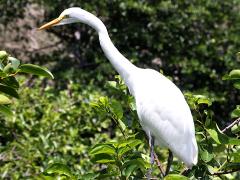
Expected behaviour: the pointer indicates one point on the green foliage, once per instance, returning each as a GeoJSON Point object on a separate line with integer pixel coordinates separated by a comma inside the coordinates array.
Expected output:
{"type": "Point", "coordinates": [9, 85]}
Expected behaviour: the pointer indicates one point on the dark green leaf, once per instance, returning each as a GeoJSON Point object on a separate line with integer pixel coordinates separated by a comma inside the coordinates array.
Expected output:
{"type": "Point", "coordinates": [10, 81]}
{"type": "Point", "coordinates": [36, 70]}
{"type": "Point", "coordinates": [128, 171]}
{"type": "Point", "coordinates": [103, 158]}
{"type": "Point", "coordinates": [9, 91]}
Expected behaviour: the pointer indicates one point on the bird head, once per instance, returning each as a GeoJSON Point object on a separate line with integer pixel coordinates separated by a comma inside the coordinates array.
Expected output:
{"type": "Point", "coordinates": [68, 16]}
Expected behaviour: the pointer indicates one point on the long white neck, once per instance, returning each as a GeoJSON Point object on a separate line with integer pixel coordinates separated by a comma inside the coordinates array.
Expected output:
{"type": "Point", "coordinates": [122, 65]}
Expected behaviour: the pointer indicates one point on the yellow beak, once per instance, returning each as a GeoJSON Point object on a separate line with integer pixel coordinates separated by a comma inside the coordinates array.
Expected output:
{"type": "Point", "coordinates": [51, 23]}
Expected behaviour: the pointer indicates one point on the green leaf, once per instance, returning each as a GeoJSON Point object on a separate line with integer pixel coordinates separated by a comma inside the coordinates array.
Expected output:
{"type": "Point", "coordinates": [7, 68]}
{"type": "Point", "coordinates": [216, 135]}
{"type": "Point", "coordinates": [206, 153]}
{"type": "Point", "coordinates": [103, 148]}
{"type": "Point", "coordinates": [116, 108]}
{"type": "Point", "coordinates": [235, 74]}
{"type": "Point", "coordinates": [235, 129]}
{"type": "Point", "coordinates": [103, 158]}
{"type": "Point", "coordinates": [36, 70]}
{"type": "Point", "coordinates": [10, 81]}
{"type": "Point", "coordinates": [90, 176]}
{"type": "Point", "coordinates": [104, 101]}
{"type": "Point", "coordinates": [128, 171]}
{"type": "Point", "coordinates": [5, 110]}
{"type": "Point", "coordinates": [235, 113]}
{"type": "Point", "coordinates": [9, 90]}
{"type": "Point", "coordinates": [233, 141]}
{"type": "Point", "coordinates": [235, 156]}
{"type": "Point", "coordinates": [14, 62]}
{"type": "Point", "coordinates": [3, 55]}
{"type": "Point", "coordinates": [4, 99]}
{"type": "Point", "coordinates": [237, 85]}
{"type": "Point", "coordinates": [131, 165]}
{"type": "Point", "coordinates": [59, 169]}
{"type": "Point", "coordinates": [175, 177]}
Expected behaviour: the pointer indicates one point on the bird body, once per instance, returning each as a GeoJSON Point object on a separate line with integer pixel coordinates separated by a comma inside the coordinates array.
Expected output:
{"type": "Point", "coordinates": [161, 107]}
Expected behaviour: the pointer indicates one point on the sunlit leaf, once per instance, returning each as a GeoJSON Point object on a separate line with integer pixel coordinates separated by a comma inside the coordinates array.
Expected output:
{"type": "Point", "coordinates": [60, 169]}
{"type": "Point", "coordinates": [216, 135]}
{"type": "Point", "coordinates": [4, 99]}
{"type": "Point", "coordinates": [36, 70]}
{"type": "Point", "coordinates": [103, 148]}
{"type": "Point", "coordinates": [175, 177]}
{"type": "Point", "coordinates": [235, 113]}
{"type": "Point", "coordinates": [235, 74]}
{"type": "Point", "coordinates": [3, 55]}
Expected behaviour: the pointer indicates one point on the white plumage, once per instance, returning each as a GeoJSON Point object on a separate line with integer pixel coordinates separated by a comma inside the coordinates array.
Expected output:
{"type": "Point", "coordinates": [161, 107]}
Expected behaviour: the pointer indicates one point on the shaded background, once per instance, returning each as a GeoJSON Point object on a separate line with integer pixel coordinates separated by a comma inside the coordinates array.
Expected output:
{"type": "Point", "coordinates": [194, 42]}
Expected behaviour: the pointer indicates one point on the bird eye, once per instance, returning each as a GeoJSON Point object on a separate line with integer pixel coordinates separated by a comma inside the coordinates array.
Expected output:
{"type": "Point", "coordinates": [66, 16]}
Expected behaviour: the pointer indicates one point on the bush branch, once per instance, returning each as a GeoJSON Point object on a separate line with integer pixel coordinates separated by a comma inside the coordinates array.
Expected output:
{"type": "Point", "coordinates": [231, 125]}
{"type": "Point", "coordinates": [225, 172]}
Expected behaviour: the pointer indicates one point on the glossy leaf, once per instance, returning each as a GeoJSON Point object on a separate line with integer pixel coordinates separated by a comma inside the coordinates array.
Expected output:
{"type": "Point", "coordinates": [235, 74]}
{"type": "Point", "coordinates": [10, 81]}
{"type": "Point", "coordinates": [103, 158]}
{"type": "Point", "coordinates": [102, 148]}
{"type": "Point", "coordinates": [9, 91]}
{"type": "Point", "coordinates": [36, 70]}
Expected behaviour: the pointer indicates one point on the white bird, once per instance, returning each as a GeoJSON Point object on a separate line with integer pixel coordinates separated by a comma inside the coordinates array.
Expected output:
{"type": "Point", "coordinates": [161, 107]}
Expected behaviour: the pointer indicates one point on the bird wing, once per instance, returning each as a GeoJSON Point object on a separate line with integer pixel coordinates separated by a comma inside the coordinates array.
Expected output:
{"type": "Point", "coordinates": [164, 113]}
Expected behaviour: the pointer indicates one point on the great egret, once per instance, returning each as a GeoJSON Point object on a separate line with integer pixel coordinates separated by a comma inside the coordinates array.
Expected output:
{"type": "Point", "coordinates": [161, 106]}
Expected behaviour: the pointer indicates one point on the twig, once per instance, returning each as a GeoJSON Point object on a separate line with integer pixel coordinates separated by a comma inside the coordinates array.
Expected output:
{"type": "Point", "coordinates": [231, 125]}
{"type": "Point", "coordinates": [169, 162]}
{"type": "Point", "coordinates": [159, 164]}
{"type": "Point", "coordinates": [225, 172]}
